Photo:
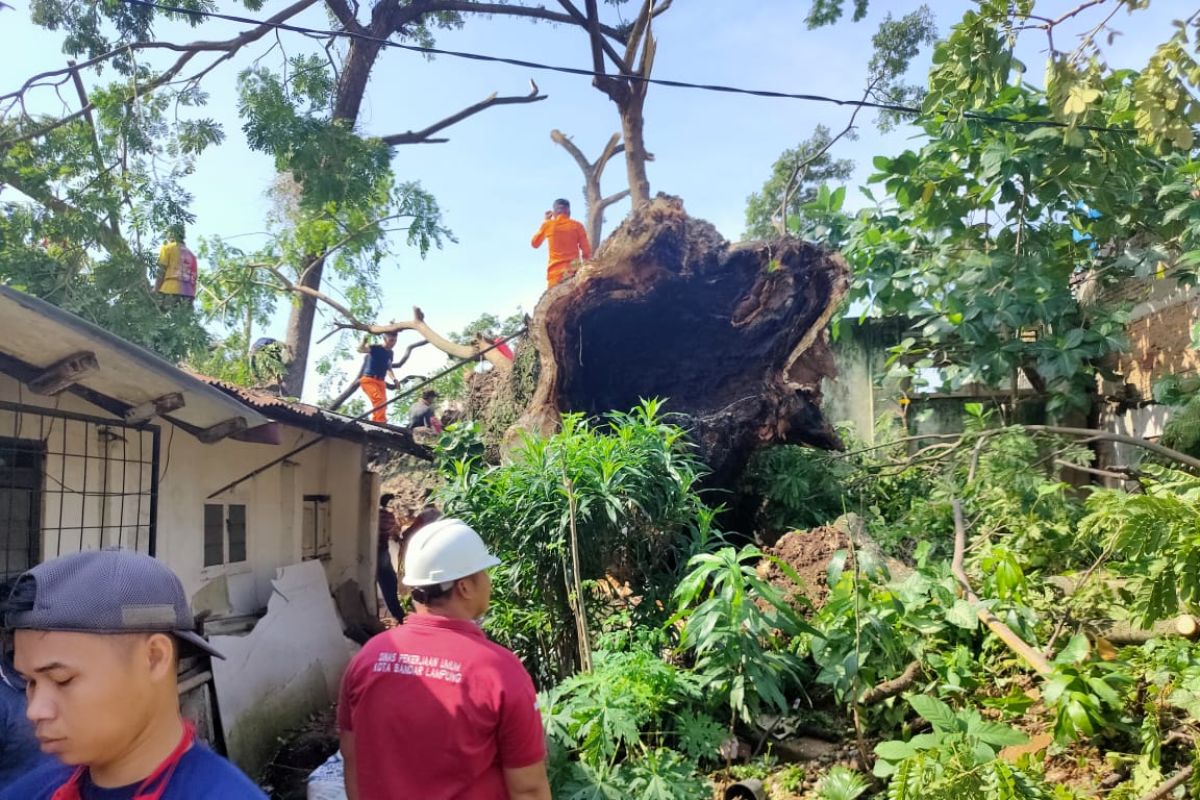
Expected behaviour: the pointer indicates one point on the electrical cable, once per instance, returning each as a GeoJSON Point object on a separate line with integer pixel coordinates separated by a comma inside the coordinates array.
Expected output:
{"type": "Point", "coordinates": [708, 87]}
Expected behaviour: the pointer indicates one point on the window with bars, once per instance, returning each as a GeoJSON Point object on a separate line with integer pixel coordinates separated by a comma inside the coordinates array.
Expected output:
{"type": "Point", "coordinates": [224, 534]}
{"type": "Point", "coordinates": [71, 482]}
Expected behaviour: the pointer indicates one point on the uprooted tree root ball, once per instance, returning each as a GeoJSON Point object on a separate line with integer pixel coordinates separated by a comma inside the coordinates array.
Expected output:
{"type": "Point", "coordinates": [732, 337]}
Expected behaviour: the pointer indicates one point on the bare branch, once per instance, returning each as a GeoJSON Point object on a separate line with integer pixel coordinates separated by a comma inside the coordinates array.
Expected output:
{"type": "Point", "coordinates": [582, 21]}
{"type": "Point", "coordinates": [228, 48]}
{"type": "Point", "coordinates": [345, 15]}
{"type": "Point", "coordinates": [565, 142]}
{"type": "Point", "coordinates": [423, 136]}
{"type": "Point", "coordinates": [614, 198]}
{"type": "Point", "coordinates": [1002, 631]}
{"type": "Point", "coordinates": [503, 9]}
{"type": "Point", "coordinates": [451, 348]}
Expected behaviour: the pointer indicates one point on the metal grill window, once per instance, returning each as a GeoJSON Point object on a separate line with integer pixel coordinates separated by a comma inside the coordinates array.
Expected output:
{"type": "Point", "coordinates": [71, 482]}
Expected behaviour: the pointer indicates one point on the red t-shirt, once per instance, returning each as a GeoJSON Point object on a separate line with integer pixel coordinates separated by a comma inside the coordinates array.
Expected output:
{"type": "Point", "coordinates": [439, 712]}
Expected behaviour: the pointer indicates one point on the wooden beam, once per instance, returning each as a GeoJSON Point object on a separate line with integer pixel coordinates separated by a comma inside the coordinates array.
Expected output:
{"type": "Point", "coordinates": [64, 373]}
{"type": "Point", "coordinates": [222, 430]}
{"type": "Point", "coordinates": [157, 407]}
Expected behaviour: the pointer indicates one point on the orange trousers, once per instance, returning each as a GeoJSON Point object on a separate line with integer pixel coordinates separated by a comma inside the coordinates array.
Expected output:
{"type": "Point", "coordinates": [376, 391]}
{"type": "Point", "coordinates": [558, 272]}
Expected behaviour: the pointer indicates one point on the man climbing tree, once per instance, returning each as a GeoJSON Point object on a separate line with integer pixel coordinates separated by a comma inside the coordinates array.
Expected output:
{"type": "Point", "coordinates": [568, 243]}
{"type": "Point", "coordinates": [177, 267]}
{"type": "Point", "coordinates": [379, 366]}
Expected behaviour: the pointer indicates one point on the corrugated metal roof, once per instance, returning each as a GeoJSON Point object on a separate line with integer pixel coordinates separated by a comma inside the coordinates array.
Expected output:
{"type": "Point", "coordinates": [318, 419]}
{"type": "Point", "coordinates": [35, 335]}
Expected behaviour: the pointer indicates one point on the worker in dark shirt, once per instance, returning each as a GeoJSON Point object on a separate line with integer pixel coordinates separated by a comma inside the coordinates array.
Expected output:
{"type": "Point", "coordinates": [385, 573]}
{"type": "Point", "coordinates": [421, 415]}
{"type": "Point", "coordinates": [379, 367]}
{"type": "Point", "coordinates": [19, 751]}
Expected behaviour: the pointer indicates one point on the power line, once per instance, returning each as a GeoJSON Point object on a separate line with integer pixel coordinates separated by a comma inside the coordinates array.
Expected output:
{"type": "Point", "coordinates": [536, 65]}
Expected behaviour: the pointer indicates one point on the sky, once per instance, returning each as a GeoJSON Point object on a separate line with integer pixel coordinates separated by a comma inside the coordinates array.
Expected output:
{"type": "Point", "coordinates": [500, 171]}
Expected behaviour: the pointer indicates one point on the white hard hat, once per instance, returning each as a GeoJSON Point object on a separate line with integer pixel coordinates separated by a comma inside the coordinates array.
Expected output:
{"type": "Point", "coordinates": [445, 550]}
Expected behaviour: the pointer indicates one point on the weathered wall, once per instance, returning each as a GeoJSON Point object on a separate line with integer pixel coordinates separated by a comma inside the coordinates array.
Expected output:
{"type": "Point", "coordinates": [1159, 335]}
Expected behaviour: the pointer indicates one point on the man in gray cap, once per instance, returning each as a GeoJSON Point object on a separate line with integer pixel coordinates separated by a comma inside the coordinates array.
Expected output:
{"type": "Point", "coordinates": [98, 636]}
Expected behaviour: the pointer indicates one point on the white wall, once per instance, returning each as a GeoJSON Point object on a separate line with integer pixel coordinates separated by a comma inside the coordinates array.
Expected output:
{"type": "Point", "coordinates": [189, 472]}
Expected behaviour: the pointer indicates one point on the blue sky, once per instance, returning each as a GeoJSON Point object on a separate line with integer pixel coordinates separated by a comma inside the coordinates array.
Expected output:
{"type": "Point", "coordinates": [500, 170]}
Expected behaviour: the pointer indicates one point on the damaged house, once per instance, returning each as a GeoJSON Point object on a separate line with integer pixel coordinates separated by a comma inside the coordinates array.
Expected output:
{"type": "Point", "coordinates": [261, 506]}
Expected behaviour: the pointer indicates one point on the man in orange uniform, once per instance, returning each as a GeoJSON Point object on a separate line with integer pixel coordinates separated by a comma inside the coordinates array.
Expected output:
{"type": "Point", "coordinates": [568, 240]}
{"type": "Point", "coordinates": [379, 367]}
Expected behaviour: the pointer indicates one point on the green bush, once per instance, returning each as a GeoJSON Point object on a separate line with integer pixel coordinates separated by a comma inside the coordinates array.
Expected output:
{"type": "Point", "coordinates": [611, 731]}
{"type": "Point", "coordinates": [639, 514]}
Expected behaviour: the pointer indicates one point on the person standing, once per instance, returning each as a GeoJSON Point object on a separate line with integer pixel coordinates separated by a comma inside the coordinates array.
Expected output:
{"type": "Point", "coordinates": [177, 268]}
{"type": "Point", "coordinates": [378, 369]}
{"type": "Point", "coordinates": [98, 636]}
{"type": "Point", "coordinates": [385, 573]}
{"type": "Point", "coordinates": [568, 240]}
{"type": "Point", "coordinates": [432, 708]}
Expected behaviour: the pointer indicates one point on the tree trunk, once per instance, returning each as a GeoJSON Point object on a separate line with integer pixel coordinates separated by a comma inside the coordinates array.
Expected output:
{"type": "Point", "coordinates": [632, 123]}
{"type": "Point", "coordinates": [299, 331]}
{"type": "Point", "coordinates": [731, 338]}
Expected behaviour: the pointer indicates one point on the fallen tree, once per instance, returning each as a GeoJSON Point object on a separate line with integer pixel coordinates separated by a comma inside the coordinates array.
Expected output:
{"type": "Point", "coordinates": [731, 337]}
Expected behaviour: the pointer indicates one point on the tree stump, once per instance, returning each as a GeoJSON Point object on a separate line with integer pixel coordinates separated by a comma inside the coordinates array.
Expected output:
{"type": "Point", "coordinates": [731, 337]}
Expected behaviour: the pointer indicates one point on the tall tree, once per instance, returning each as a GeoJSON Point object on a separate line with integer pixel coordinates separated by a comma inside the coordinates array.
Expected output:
{"type": "Point", "coordinates": [302, 109]}
{"type": "Point", "coordinates": [982, 235]}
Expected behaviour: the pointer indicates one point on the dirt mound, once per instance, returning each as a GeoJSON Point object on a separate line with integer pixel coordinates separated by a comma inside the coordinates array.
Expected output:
{"type": "Point", "coordinates": [808, 553]}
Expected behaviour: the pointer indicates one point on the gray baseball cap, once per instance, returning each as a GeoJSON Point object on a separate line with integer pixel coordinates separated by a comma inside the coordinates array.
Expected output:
{"type": "Point", "coordinates": [106, 591]}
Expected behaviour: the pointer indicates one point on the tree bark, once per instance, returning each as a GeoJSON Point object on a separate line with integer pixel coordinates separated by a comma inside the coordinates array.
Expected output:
{"type": "Point", "coordinates": [299, 330]}
{"type": "Point", "coordinates": [632, 124]}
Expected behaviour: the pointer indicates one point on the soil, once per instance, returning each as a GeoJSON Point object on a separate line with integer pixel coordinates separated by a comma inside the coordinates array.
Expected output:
{"type": "Point", "coordinates": [300, 752]}
{"type": "Point", "coordinates": [808, 553]}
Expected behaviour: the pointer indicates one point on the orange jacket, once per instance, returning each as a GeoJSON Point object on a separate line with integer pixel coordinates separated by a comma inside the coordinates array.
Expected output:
{"type": "Point", "coordinates": [567, 239]}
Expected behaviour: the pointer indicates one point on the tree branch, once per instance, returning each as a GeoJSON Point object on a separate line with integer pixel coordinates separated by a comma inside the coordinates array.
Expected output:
{"type": "Point", "coordinates": [423, 136]}
{"type": "Point", "coordinates": [565, 143]}
{"type": "Point", "coordinates": [345, 15]}
{"type": "Point", "coordinates": [228, 48]}
{"type": "Point", "coordinates": [502, 9]}
{"type": "Point", "coordinates": [450, 348]}
{"type": "Point", "coordinates": [1002, 631]}
{"type": "Point", "coordinates": [582, 21]}
{"type": "Point", "coordinates": [111, 240]}
{"type": "Point", "coordinates": [614, 198]}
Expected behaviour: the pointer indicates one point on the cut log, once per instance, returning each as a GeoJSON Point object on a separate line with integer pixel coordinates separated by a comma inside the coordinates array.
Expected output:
{"type": "Point", "coordinates": [731, 337]}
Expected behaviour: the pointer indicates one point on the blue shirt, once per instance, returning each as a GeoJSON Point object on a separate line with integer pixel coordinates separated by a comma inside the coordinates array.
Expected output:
{"type": "Point", "coordinates": [19, 751]}
{"type": "Point", "coordinates": [379, 361]}
{"type": "Point", "coordinates": [200, 775]}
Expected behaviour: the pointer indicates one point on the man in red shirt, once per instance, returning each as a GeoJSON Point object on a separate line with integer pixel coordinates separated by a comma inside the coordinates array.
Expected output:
{"type": "Point", "coordinates": [432, 709]}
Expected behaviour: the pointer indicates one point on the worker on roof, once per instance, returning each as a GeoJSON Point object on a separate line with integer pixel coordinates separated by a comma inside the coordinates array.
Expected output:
{"type": "Point", "coordinates": [177, 267]}
{"type": "Point", "coordinates": [98, 638]}
{"type": "Point", "coordinates": [421, 414]}
{"type": "Point", "coordinates": [378, 368]}
{"type": "Point", "coordinates": [432, 708]}
{"type": "Point", "coordinates": [568, 240]}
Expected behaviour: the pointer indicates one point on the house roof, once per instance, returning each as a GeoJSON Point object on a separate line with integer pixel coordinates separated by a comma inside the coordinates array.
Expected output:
{"type": "Point", "coordinates": [53, 350]}
{"type": "Point", "coordinates": [319, 420]}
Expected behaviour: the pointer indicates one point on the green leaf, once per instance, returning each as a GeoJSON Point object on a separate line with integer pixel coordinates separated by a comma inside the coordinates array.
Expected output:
{"type": "Point", "coordinates": [962, 614]}
{"type": "Point", "coordinates": [1075, 651]}
{"type": "Point", "coordinates": [940, 715]}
